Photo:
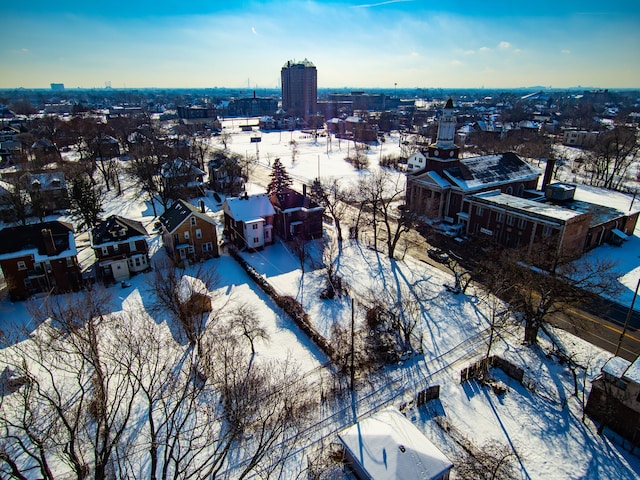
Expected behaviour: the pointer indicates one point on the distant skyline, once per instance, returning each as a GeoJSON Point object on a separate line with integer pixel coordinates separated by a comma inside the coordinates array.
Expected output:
{"type": "Point", "coordinates": [359, 44]}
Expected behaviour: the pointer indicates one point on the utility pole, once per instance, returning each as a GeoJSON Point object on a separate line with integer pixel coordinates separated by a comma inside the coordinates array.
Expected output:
{"type": "Point", "coordinates": [353, 371]}
{"type": "Point", "coordinates": [626, 322]}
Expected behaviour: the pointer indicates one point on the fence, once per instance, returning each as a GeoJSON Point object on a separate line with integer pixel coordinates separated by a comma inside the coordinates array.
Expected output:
{"type": "Point", "coordinates": [478, 368]}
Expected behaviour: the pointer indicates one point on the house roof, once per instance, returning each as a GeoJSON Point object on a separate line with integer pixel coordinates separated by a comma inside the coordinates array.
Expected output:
{"type": "Point", "coordinates": [387, 445]}
{"type": "Point", "coordinates": [177, 213]}
{"type": "Point", "coordinates": [633, 372]}
{"type": "Point", "coordinates": [17, 241]}
{"type": "Point", "coordinates": [618, 367]}
{"type": "Point", "coordinates": [289, 199]}
{"type": "Point", "coordinates": [117, 229]}
{"type": "Point", "coordinates": [248, 207]}
{"type": "Point", "coordinates": [180, 168]}
{"type": "Point", "coordinates": [45, 181]}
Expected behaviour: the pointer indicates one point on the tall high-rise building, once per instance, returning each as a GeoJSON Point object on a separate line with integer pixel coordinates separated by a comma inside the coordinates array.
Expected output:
{"type": "Point", "coordinates": [299, 88]}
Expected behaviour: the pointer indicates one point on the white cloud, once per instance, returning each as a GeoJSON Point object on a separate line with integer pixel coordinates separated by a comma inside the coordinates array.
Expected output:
{"type": "Point", "coordinates": [379, 4]}
{"type": "Point", "coordinates": [484, 49]}
{"type": "Point", "coordinates": [504, 45]}
{"type": "Point", "coordinates": [253, 30]}
{"type": "Point", "coordinates": [565, 51]}
{"type": "Point", "coordinates": [456, 62]}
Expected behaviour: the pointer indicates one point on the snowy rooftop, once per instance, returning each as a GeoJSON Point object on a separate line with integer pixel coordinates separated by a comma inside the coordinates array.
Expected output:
{"type": "Point", "coordinates": [633, 372]}
{"type": "Point", "coordinates": [487, 170]}
{"type": "Point", "coordinates": [532, 207]}
{"type": "Point", "coordinates": [616, 366]}
{"type": "Point", "coordinates": [251, 207]}
{"type": "Point", "coordinates": [388, 446]}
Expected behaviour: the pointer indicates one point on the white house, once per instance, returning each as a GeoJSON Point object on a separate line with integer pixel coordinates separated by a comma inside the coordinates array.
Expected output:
{"type": "Point", "coordinates": [417, 161]}
{"type": "Point", "coordinates": [387, 446]}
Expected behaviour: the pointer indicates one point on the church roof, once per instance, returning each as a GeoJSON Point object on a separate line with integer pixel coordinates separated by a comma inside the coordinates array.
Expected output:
{"type": "Point", "coordinates": [488, 170]}
{"type": "Point", "coordinates": [449, 104]}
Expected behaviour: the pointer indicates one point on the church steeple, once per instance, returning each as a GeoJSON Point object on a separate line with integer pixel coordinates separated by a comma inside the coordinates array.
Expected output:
{"type": "Point", "coordinates": [445, 148]}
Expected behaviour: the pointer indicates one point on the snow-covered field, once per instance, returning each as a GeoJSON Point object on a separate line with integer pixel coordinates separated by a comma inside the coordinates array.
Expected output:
{"type": "Point", "coordinates": [542, 423]}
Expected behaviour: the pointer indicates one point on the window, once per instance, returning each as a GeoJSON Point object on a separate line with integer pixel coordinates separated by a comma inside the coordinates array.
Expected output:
{"type": "Point", "coordinates": [522, 223]}
{"type": "Point", "coordinates": [186, 235]}
{"type": "Point", "coordinates": [500, 217]}
{"type": "Point", "coordinates": [22, 265]}
{"type": "Point", "coordinates": [193, 221]}
{"type": "Point", "coordinates": [105, 250]}
{"type": "Point", "coordinates": [116, 248]}
{"type": "Point", "coordinates": [510, 220]}
{"type": "Point", "coordinates": [510, 191]}
{"type": "Point", "coordinates": [479, 211]}
{"type": "Point", "coordinates": [547, 230]}
{"type": "Point", "coordinates": [198, 233]}
{"type": "Point", "coordinates": [256, 240]}
{"type": "Point", "coordinates": [254, 226]}
{"type": "Point", "coordinates": [70, 262]}
{"type": "Point", "coordinates": [521, 190]}
{"type": "Point", "coordinates": [207, 247]}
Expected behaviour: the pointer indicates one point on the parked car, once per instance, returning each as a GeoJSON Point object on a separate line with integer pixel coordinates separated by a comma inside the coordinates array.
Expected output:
{"type": "Point", "coordinates": [438, 255]}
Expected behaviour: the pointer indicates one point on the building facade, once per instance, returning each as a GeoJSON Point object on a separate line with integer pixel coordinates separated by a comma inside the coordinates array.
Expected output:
{"type": "Point", "coordinates": [120, 247]}
{"type": "Point", "coordinates": [614, 400]}
{"type": "Point", "coordinates": [39, 258]}
{"type": "Point", "coordinates": [188, 234]}
{"type": "Point", "coordinates": [248, 221]}
{"type": "Point", "coordinates": [567, 219]}
{"type": "Point", "coordinates": [299, 88]}
{"type": "Point", "coordinates": [438, 190]}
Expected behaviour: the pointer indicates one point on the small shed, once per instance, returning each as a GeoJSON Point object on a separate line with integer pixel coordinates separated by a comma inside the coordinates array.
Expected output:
{"type": "Point", "coordinates": [387, 446]}
{"type": "Point", "coordinates": [193, 295]}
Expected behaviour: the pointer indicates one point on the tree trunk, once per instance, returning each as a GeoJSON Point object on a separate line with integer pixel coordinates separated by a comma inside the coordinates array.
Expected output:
{"type": "Point", "coordinates": [531, 328]}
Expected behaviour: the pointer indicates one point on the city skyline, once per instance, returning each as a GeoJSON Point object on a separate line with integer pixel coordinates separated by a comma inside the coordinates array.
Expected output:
{"type": "Point", "coordinates": [384, 44]}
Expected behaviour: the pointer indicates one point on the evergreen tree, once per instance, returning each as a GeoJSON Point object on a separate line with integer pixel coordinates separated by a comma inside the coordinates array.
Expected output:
{"type": "Point", "coordinates": [280, 179]}
{"type": "Point", "coordinates": [317, 193]}
{"type": "Point", "coordinates": [85, 199]}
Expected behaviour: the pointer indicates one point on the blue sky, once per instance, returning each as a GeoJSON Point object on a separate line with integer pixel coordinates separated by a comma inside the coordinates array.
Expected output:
{"type": "Point", "coordinates": [366, 44]}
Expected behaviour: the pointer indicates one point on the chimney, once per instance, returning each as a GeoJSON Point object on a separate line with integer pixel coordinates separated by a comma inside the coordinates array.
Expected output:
{"type": "Point", "coordinates": [201, 206]}
{"type": "Point", "coordinates": [49, 245]}
{"type": "Point", "coordinates": [548, 173]}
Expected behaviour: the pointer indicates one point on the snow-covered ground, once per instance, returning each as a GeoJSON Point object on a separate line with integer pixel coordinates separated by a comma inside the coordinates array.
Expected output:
{"type": "Point", "coordinates": [542, 423]}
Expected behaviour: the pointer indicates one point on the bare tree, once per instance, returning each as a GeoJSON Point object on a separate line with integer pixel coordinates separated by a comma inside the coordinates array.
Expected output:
{"type": "Point", "coordinates": [17, 198]}
{"type": "Point", "coordinates": [492, 461]}
{"type": "Point", "coordinates": [613, 155]}
{"type": "Point", "coordinates": [563, 283]}
{"type": "Point", "coordinates": [294, 151]}
{"type": "Point", "coordinates": [381, 194]}
{"type": "Point", "coordinates": [265, 407]}
{"type": "Point", "coordinates": [75, 403]}
{"type": "Point", "coordinates": [245, 319]}
{"type": "Point", "coordinates": [333, 197]}
{"type": "Point", "coordinates": [224, 139]}
{"type": "Point", "coordinates": [148, 152]}
{"type": "Point", "coordinates": [186, 298]}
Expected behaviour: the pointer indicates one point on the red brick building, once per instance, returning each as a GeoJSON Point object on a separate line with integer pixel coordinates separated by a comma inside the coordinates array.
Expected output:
{"type": "Point", "coordinates": [438, 191]}
{"type": "Point", "coordinates": [39, 258]}
{"type": "Point", "coordinates": [570, 218]}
